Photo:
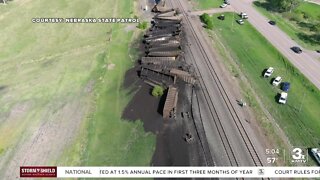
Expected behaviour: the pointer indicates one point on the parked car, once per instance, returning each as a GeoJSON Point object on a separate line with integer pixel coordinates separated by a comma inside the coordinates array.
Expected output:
{"type": "Point", "coordinates": [243, 15]}
{"type": "Point", "coordinates": [240, 21]}
{"type": "Point", "coordinates": [277, 81]}
{"type": "Point", "coordinates": [316, 154]}
{"type": "Point", "coordinates": [268, 72]}
{"type": "Point", "coordinates": [283, 98]}
{"type": "Point", "coordinates": [272, 23]}
{"type": "Point", "coordinates": [285, 86]}
{"type": "Point", "coordinates": [296, 49]}
{"type": "Point", "coordinates": [223, 5]}
{"type": "Point", "coordinates": [227, 2]}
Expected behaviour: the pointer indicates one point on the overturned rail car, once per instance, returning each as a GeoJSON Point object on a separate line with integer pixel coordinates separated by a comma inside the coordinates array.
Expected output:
{"type": "Point", "coordinates": [167, 45]}
{"type": "Point", "coordinates": [154, 29]}
{"type": "Point", "coordinates": [183, 75]}
{"type": "Point", "coordinates": [164, 53]}
{"type": "Point", "coordinates": [162, 40]}
{"type": "Point", "coordinates": [155, 21]}
{"type": "Point", "coordinates": [166, 25]}
{"type": "Point", "coordinates": [170, 41]}
{"type": "Point", "coordinates": [173, 18]}
{"type": "Point", "coordinates": [157, 60]}
{"type": "Point", "coordinates": [161, 9]}
{"type": "Point", "coordinates": [154, 34]}
{"type": "Point", "coordinates": [164, 48]}
{"type": "Point", "coordinates": [156, 77]}
{"type": "Point", "coordinates": [153, 37]}
{"type": "Point", "coordinates": [166, 66]}
{"type": "Point", "coordinates": [170, 103]}
{"type": "Point", "coordinates": [158, 39]}
{"type": "Point", "coordinates": [163, 23]}
{"type": "Point", "coordinates": [166, 14]}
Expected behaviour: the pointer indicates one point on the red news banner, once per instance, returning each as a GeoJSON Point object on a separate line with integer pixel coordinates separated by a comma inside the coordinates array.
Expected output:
{"type": "Point", "coordinates": [38, 171]}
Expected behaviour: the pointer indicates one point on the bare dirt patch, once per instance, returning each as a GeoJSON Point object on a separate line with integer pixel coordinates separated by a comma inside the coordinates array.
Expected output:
{"type": "Point", "coordinates": [130, 27]}
{"type": "Point", "coordinates": [111, 66]}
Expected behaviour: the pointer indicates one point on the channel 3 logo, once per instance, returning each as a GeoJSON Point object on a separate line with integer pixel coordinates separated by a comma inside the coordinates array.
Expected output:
{"type": "Point", "coordinates": [299, 155]}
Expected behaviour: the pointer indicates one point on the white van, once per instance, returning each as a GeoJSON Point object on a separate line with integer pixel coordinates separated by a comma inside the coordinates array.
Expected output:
{"type": "Point", "coordinates": [316, 154]}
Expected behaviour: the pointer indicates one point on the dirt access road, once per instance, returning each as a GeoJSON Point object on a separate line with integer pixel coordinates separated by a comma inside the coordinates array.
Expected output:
{"type": "Point", "coordinates": [315, 1]}
{"type": "Point", "coordinates": [307, 62]}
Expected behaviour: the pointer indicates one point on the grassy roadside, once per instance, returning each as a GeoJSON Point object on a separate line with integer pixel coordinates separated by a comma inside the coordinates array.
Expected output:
{"type": "Point", "coordinates": [247, 91]}
{"type": "Point", "coordinates": [206, 4]}
{"type": "Point", "coordinates": [299, 30]}
{"type": "Point", "coordinates": [252, 52]}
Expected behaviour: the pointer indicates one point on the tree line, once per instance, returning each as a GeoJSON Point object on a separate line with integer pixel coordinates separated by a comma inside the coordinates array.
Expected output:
{"type": "Point", "coordinates": [284, 5]}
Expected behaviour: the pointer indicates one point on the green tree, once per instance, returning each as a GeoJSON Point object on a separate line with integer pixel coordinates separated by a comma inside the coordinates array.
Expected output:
{"type": "Point", "coordinates": [289, 5]}
{"type": "Point", "coordinates": [284, 5]}
{"type": "Point", "coordinates": [205, 18]}
{"type": "Point", "coordinates": [157, 91]}
{"type": "Point", "coordinates": [315, 27]}
{"type": "Point", "coordinates": [210, 24]}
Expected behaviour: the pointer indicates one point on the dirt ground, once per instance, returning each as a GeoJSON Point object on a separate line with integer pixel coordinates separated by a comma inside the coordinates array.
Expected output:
{"type": "Point", "coordinates": [143, 106]}
{"type": "Point", "coordinates": [171, 148]}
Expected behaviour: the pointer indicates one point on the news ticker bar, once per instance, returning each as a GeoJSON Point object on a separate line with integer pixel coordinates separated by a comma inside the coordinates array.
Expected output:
{"type": "Point", "coordinates": [169, 172]}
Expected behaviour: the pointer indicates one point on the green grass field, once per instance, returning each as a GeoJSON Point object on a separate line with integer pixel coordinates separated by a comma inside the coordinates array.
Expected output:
{"type": "Point", "coordinates": [299, 118]}
{"type": "Point", "coordinates": [311, 8]}
{"type": "Point", "coordinates": [207, 4]}
{"type": "Point", "coordinates": [59, 73]}
{"type": "Point", "coordinates": [297, 30]}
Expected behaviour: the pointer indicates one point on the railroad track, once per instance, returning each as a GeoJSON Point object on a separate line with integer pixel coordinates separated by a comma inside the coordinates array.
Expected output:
{"type": "Point", "coordinates": [236, 119]}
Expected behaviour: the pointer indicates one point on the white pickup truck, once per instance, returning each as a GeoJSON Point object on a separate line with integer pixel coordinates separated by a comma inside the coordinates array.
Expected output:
{"type": "Point", "coordinates": [243, 15]}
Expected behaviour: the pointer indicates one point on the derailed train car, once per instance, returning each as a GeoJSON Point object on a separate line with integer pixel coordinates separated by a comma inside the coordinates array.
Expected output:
{"type": "Point", "coordinates": [164, 53]}
{"type": "Point", "coordinates": [161, 9]}
{"type": "Point", "coordinates": [166, 14]}
{"type": "Point", "coordinates": [163, 48]}
{"type": "Point", "coordinates": [162, 40]}
{"type": "Point", "coordinates": [172, 18]}
{"type": "Point", "coordinates": [174, 40]}
{"type": "Point", "coordinates": [164, 45]}
{"type": "Point", "coordinates": [163, 63]}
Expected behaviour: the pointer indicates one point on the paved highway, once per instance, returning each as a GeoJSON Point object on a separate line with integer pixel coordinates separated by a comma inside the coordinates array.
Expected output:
{"type": "Point", "coordinates": [315, 1]}
{"type": "Point", "coordinates": [307, 62]}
